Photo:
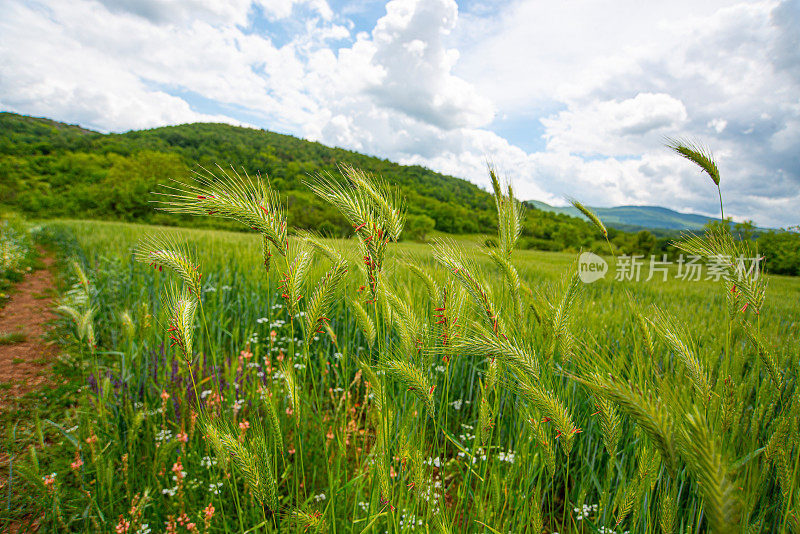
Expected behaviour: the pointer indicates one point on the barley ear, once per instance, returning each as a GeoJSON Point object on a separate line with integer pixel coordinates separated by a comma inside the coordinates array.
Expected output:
{"type": "Point", "coordinates": [706, 463]}
{"type": "Point", "coordinates": [364, 321]}
{"type": "Point", "coordinates": [650, 414]}
{"type": "Point", "coordinates": [627, 499]}
{"type": "Point", "coordinates": [253, 465]}
{"type": "Point", "coordinates": [322, 298]}
{"type": "Point", "coordinates": [432, 288]}
{"type": "Point", "coordinates": [267, 491]}
{"type": "Point", "coordinates": [595, 220]}
{"type": "Point", "coordinates": [387, 199]}
{"type": "Point", "coordinates": [306, 521]}
{"type": "Point", "coordinates": [158, 251]}
{"type": "Point", "coordinates": [294, 278]}
{"type": "Point", "coordinates": [374, 384]}
{"type": "Point", "coordinates": [766, 355]}
{"type": "Point", "coordinates": [509, 215]}
{"type": "Point", "coordinates": [274, 426]}
{"type": "Point", "coordinates": [513, 352]}
{"type": "Point", "coordinates": [540, 435]}
{"type": "Point", "coordinates": [697, 154]}
{"type": "Point", "coordinates": [466, 271]}
{"type": "Point", "coordinates": [718, 245]}
{"type": "Point", "coordinates": [560, 337]}
{"type": "Point", "coordinates": [229, 195]}
{"type": "Point", "coordinates": [667, 513]}
{"type": "Point", "coordinates": [329, 251]}
{"type": "Point", "coordinates": [610, 424]}
{"type": "Point", "coordinates": [647, 337]}
{"type": "Point", "coordinates": [552, 408]}
{"type": "Point", "coordinates": [410, 376]}
{"type": "Point", "coordinates": [181, 307]}
{"type": "Point", "coordinates": [778, 452]}
{"type": "Point", "coordinates": [678, 340]}
{"type": "Point", "coordinates": [536, 523]}
{"type": "Point", "coordinates": [382, 464]}
{"type": "Point", "coordinates": [512, 282]}
{"type": "Point", "coordinates": [287, 369]}
{"type": "Point", "coordinates": [408, 326]}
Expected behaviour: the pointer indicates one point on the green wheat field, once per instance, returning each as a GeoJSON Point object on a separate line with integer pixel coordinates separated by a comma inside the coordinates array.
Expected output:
{"type": "Point", "coordinates": [274, 381]}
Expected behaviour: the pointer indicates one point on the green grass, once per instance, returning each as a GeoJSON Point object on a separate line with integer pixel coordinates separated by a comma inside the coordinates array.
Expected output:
{"type": "Point", "coordinates": [492, 469]}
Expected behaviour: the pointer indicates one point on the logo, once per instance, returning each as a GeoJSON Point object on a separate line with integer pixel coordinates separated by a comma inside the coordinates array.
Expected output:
{"type": "Point", "coordinates": [591, 267]}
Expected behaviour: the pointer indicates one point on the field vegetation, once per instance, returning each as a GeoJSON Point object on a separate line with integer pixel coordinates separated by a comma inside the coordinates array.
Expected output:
{"type": "Point", "coordinates": [268, 382]}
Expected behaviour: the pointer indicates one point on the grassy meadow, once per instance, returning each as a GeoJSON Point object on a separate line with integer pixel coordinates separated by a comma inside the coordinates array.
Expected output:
{"type": "Point", "coordinates": [440, 387]}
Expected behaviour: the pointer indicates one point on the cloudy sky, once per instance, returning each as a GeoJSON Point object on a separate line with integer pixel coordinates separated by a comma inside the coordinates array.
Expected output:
{"type": "Point", "coordinates": [566, 98]}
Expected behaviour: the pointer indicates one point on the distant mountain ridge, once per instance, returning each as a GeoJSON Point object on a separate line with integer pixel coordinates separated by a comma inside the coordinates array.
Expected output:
{"type": "Point", "coordinates": [635, 217]}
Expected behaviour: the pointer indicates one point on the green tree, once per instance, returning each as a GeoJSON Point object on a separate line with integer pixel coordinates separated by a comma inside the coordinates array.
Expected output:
{"type": "Point", "coordinates": [645, 243]}
{"type": "Point", "coordinates": [781, 250]}
{"type": "Point", "coordinates": [418, 227]}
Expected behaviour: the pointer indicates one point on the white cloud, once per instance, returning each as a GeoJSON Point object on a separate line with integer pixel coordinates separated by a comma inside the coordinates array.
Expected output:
{"type": "Point", "coordinates": [217, 12]}
{"type": "Point", "coordinates": [628, 76]}
{"type": "Point", "coordinates": [424, 85]}
{"type": "Point", "coordinates": [614, 127]}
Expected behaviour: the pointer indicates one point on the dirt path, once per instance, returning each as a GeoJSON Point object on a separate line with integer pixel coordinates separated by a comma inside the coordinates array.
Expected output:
{"type": "Point", "coordinates": [25, 365]}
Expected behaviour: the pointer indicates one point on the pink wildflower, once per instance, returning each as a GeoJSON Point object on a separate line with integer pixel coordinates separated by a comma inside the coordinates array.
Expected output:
{"type": "Point", "coordinates": [77, 463]}
{"type": "Point", "coordinates": [123, 525]}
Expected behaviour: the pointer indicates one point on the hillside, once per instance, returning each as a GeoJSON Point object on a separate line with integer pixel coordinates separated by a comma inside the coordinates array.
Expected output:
{"type": "Point", "coordinates": [636, 217]}
{"type": "Point", "coordinates": [51, 169]}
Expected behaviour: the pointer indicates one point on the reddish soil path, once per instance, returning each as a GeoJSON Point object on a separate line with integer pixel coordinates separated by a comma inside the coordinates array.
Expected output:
{"type": "Point", "coordinates": [25, 366]}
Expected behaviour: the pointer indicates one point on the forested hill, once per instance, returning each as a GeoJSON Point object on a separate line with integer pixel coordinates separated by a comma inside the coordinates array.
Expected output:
{"type": "Point", "coordinates": [51, 169]}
